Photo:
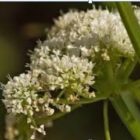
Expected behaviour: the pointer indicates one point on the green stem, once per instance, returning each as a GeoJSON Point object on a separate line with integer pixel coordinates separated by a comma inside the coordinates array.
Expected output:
{"type": "Point", "coordinates": [83, 101]}
{"type": "Point", "coordinates": [45, 119]}
{"type": "Point", "coordinates": [132, 85]}
{"type": "Point", "coordinates": [131, 24]}
{"type": "Point", "coordinates": [106, 122]}
{"type": "Point", "coordinates": [109, 71]}
{"type": "Point", "coordinates": [129, 100]}
{"type": "Point", "coordinates": [127, 115]}
{"type": "Point", "coordinates": [127, 68]}
{"type": "Point", "coordinates": [23, 129]}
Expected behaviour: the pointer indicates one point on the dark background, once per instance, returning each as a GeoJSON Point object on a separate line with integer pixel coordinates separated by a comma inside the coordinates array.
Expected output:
{"type": "Point", "coordinates": [21, 25]}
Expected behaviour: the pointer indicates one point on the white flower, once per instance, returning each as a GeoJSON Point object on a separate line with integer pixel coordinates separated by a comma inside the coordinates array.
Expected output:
{"type": "Point", "coordinates": [64, 108]}
{"type": "Point", "coordinates": [41, 129]}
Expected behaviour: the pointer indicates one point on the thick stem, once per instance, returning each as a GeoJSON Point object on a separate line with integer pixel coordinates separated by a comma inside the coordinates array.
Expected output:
{"type": "Point", "coordinates": [106, 121]}
{"type": "Point", "coordinates": [127, 115]}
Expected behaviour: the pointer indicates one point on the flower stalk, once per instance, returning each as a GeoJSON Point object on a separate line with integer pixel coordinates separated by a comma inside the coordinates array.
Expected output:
{"type": "Point", "coordinates": [106, 121]}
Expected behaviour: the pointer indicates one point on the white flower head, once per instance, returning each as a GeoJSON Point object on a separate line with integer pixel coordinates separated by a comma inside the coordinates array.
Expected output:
{"type": "Point", "coordinates": [92, 27]}
{"type": "Point", "coordinates": [21, 96]}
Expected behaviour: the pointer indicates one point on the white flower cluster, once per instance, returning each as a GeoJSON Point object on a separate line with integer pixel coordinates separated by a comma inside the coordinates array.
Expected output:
{"type": "Point", "coordinates": [32, 93]}
{"type": "Point", "coordinates": [73, 75]}
{"type": "Point", "coordinates": [52, 77]}
{"type": "Point", "coordinates": [62, 67]}
{"type": "Point", "coordinates": [94, 28]}
{"type": "Point", "coordinates": [21, 92]}
{"type": "Point", "coordinates": [22, 97]}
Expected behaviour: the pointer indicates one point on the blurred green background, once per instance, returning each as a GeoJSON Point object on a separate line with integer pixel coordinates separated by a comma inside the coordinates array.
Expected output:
{"type": "Point", "coordinates": [21, 25]}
